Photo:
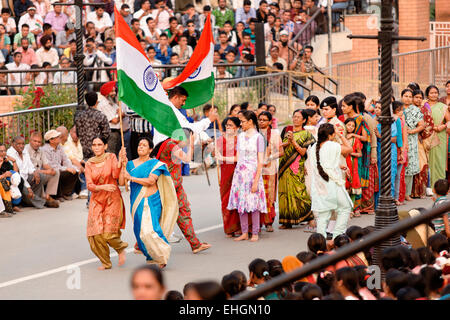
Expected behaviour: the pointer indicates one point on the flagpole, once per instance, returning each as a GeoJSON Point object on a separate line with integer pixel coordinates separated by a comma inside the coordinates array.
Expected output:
{"type": "Point", "coordinates": [123, 143]}
{"type": "Point", "coordinates": [215, 144]}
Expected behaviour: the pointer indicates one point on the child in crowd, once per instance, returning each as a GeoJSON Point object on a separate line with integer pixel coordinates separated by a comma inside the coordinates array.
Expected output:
{"type": "Point", "coordinates": [353, 184]}
{"type": "Point", "coordinates": [440, 191]}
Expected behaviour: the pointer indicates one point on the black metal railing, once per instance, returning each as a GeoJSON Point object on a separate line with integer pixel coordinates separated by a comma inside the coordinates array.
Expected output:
{"type": "Point", "coordinates": [351, 249]}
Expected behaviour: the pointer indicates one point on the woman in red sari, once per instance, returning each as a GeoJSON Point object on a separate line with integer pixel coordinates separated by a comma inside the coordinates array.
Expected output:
{"type": "Point", "coordinates": [270, 169]}
{"type": "Point", "coordinates": [226, 146]}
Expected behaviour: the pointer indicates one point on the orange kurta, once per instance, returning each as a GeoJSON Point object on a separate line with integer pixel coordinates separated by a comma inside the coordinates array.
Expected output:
{"type": "Point", "coordinates": [106, 209]}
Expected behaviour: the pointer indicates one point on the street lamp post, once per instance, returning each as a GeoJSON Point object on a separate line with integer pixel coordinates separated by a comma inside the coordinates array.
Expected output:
{"type": "Point", "coordinates": [386, 212]}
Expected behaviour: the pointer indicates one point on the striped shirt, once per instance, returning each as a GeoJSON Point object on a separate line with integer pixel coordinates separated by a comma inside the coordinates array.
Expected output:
{"type": "Point", "coordinates": [137, 123]}
{"type": "Point", "coordinates": [439, 222]}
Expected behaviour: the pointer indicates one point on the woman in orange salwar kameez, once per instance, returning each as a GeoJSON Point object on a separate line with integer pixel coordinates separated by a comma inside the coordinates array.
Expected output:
{"type": "Point", "coordinates": [106, 209]}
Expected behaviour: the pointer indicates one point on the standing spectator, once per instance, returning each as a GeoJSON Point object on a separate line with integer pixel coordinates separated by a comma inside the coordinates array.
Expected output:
{"type": "Point", "coordinates": [296, 8]}
{"type": "Point", "coordinates": [74, 151]}
{"type": "Point", "coordinates": [65, 77]}
{"type": "Point", "coordinates": [33, 20]}
{"type": "Point", "coordinates": [263, 11]}
{"type": "Point", "coordinates": [303, 63]}
{"type": "Point", "coordinates": [49, 175]}
{"type": "Point", "coordinates": [47, 52]}
{"type": "Point", "coordinates": [42, 7]}
{"type": "Point", "coordinates": [17, 79]}
{"type": "Point", "coordinates": [163, 50]}
{"type": "Point", "coordinates": [96, 58]}
{"type": "Point", "coordinates": [162, 14]}
{"type": "Point", "coordinates": [190, 15]}
{"type": "Point", "coordinates": [183, 50]}
{"type": "Point", "coordinates": [8, 21]}
{"type": "Point", "coordinates": [223, 46]}
{"type": "Point", "coordinates": [321, 21]}
{"type": "Point", "coordinates": [245, 13]}
{"type": "Point", "coordinates": [275, 31]}
{"type": "Point", "coordinates": [28, 54]}
{"type": "Point", "coordinates": [305, 37]}
{"type": "Point", "coordinates": [143, 14]}
{"type": "Point", "coordinates": [268, 27]}
{"type": "Point", "coordinates": [32, 181]}
{"type": "Point", "coordinates": [20, 7]}
{"type": "Point", "coordinates": [91, 123]}
{"type": "Point", "coordinates": [206, 10]}
{"type": "Point", "coordinates": [192, 34]}
{"type": "Point", "coordinates": [274, 57]}
{"type": "Point", "coordinates": [107, 104]}
{"type": "Point", "coordinates": [274, 8]}
{"type": "Point", "coordinates": [222, 14]}
{"type": "Point", "coordinates": [57, 159]}
{"type": "Point", "coordinates": [100, 18]}
{"type": "Point", "coordinates": [283, 45]}
{"type": "Point", "coordinates": [287, 23]}
{"type": "Point", "coordinates": [63, 38]}
{"type": "Point", "coordinates": [57, 18]}
{"type": "Point", "coordinates": [151, 32]}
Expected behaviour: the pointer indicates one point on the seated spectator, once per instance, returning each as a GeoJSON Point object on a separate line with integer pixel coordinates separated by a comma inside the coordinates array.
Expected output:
{"type": "Point", "coordinates": [202, 17]}
{"type": "Point", "coordinates": [28, 54]}
{"type": "Point", "coordinates": [231, 34]}
{"type": "Point", "coordinates": [110, 52]}
{"type": "Point", "coordinates": [183, 50]}
{"type": "Point", "coordinates": [240, 30]}
{"type": "Point", "coordinates": [223, 47]}
{"type": "Point", "coordinates": [143, 14]}
{"type": "Point", "coordinates": [4, 89]}
{"type": "Point", "coordinates": [47, 52]}
{"type": "Point", "coordinates": [246, 71]}
{"type": "Point", "coordinates": [73, 150]}
{"type": "Point", "coordinates": [305, 37]}
{"type": "Point", "coordinates": [143, 44]}
{"type": "Point", "coordinates": [216, 60]}
{"type": "Point", "coordinates": [42, 7]}
{"type": "Point", "coordinates": [49, 175]}
{"type": "Point", "coordinates": [275, 57]}
{"type": "Point", "coordinates": [136, 28]}
{"type": "Point", "coordinates": [245, 13]}
{"type": "Point", "coordinates": [95, 58]}
{"type": "Point", "coordinates": [190, 15]}
{"type": "Point", "coordinates": [47, 31]}
{"type": "Point", "coordinates": [65, 77]}
{"type": "Point", "coordinates": [21, 6]}
{"type": "Point", "coordinates": [7, 167]}
{"type": "Point", "coordinates": [17, 79]}
{"type": "Point", "coordinates": [172, 31]}
{"type": "Point", "coordinates": [100, 18]}
{"type": "Point", "coordinates": [247, 44]}
{"type": "Point", "coordinates": [163, 50]}
{"type": "Point", "coordinates": [162, 14]}
{"type": "Point", "coordinates": [251, 29]}
{"type": "Point", "coordinates": [174, 72]}
{"type": "Point", "coordinates": [24, 33]}
{"type": "Point", "coordinates": [151, 54]}
{"type": "Point", "coordinates": [34, 78]}
{"type": "Point", "coordinates": [192, 34]}
{"type": "Point", "coordinates": [275, 31]}
{"type": "Point", "coordinates": [287, 23]}
{"type": "Point", "coordinates": [64, 37]}
{"type": "Point", "coordinates": [90, 32]}
{"type": "Point", "coordinates": [58, 160]}
{"type": "Point", "coordinates": [57, 19]}
{"type": "Point", "coordinates": [125, 12]}
{"type": "Point", "coordinates": [222, 14]}
{"type": "Point", "coordinates": [5, 42]}
{"type": "Point", "coordinates": [222, 72]}
{"type": "Point", "coordinates": [71, 50]}
{"type": "Point", "coordinates": [32, 19]}
{"type": "Point", "coordinates": [262, 12]}
{"type": "Point", "coordinates": [32, 185]}
{"type": "Point", "coordinates": [8, 21]}
{"type": "Point", "coordinates": [230, 57]}
{"type": "Point", "coordinates": [274, 8]}
{"type": "Point", "coordinates": [151, 32]}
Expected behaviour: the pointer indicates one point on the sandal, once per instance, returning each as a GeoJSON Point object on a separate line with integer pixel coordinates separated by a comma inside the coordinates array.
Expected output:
{"type": "Point", "coordinates": [285, 226]}
{"type": "Point", "coordinates": [269, 229]}
{"type": "Point", "coordinates": [204, 246]}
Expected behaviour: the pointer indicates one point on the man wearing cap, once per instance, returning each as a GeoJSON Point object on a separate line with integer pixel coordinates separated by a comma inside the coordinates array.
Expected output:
{"type": "Point", "coordinates": [107, 103]}
{"type": "Point", "coordinates": [48, 175]}
{"type": "Point", "coordinates": [283, 45]}
{"type": "Point", "coordinates": [32, 19]}
{"type": "Point", "coordinates": [57, 159]}
{"type": "Point", "coordinates": [57, 18]}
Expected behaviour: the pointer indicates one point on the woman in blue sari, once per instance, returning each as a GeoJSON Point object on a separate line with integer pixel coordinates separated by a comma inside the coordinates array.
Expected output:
{"type": "Point", "coordinates": [153, 201]}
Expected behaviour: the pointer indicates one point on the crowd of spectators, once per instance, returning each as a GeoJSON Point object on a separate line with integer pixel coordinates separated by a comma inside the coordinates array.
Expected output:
{"type": "Point", "coordinates": [40, 34]}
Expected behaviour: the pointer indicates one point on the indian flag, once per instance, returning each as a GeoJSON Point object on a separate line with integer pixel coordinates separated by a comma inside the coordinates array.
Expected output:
{"type": "Point", "coordinates": [139, 87]}
{"type": "Point", "coordinates": [198, 76]}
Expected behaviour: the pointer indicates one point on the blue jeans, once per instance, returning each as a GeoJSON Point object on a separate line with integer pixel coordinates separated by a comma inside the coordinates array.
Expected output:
{"type": "Point", "coordinates": [82, 181]}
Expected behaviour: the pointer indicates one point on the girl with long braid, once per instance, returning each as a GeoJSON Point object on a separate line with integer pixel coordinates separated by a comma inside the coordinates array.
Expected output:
{"type": "Point", "coordinates": [328, 191]}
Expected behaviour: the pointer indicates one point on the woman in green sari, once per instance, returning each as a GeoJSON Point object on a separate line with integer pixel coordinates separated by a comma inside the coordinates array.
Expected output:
{"type": "Point", "coordinates": [294, 201]}
{"type": "Point", "coordinates": [438, 153]}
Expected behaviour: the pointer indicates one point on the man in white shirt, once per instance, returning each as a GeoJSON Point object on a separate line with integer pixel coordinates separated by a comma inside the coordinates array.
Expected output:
{"type": "Point", "coordinates": [129, 3]}
{"type": "Point", "coordinates": [46, 53]}
{"type": "Point", "coordinates": [275, 57]}
{"type": "Point", "coordinates": [8, 21]}
{"type": "Point", "coordinates": [17, 78]}
{"type": "Point", "coordinates": [95, 58]}
{"type": "Point", "coordinates": [100, 18]}
{"type": "Point", "coordinates": [65, 77]}
{"type": "Point", "coordinates": [245, 13]}
{"type": "Point", "coordinates": [143, 13]}
{"type": "Point", "coordinates": [33, 181]}
{"type": "Point", "coordinates": [32, 19]}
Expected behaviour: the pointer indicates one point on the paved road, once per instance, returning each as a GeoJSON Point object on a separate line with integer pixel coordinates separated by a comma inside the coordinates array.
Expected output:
{"type": "Point", "coordinates": [45, 250]}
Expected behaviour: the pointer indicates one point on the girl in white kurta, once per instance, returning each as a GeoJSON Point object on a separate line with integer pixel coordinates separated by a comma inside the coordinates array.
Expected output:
{"type": "Point", "coordinates": [328, 191]}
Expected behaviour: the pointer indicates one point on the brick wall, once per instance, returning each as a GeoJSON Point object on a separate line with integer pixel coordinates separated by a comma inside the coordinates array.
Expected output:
{"type": "Point", "coordinates": [442, 10]}
{"type": "Point", "coordinates": [362, 48]}
{"type": "Point", "coordinates": [414, 22]}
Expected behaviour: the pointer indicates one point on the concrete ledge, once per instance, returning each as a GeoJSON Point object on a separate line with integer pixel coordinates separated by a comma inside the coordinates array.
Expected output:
{"type": "Point", "coordinates": [7, 103]}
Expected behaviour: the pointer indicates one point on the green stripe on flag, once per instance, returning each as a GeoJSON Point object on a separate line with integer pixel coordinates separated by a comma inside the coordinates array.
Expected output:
{"type": "Point", "coordinates": [200, 92]}
{"type": "Point", "coordinates": [160, 115]}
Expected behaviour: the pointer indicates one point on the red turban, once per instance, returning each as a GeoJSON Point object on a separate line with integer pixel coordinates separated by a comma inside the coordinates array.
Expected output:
{"type": "Point", "coordinates": [107, 88]}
